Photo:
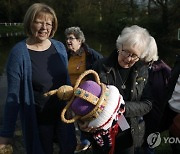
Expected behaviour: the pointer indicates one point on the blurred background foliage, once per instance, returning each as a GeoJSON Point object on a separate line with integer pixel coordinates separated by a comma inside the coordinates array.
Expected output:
{"type": "Point", "coordinates": [108, 17]}
{"type": "Point", "coordinates": [104, 19]}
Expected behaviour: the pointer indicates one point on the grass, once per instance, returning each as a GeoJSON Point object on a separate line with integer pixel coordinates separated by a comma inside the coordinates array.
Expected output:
{"type": "Point", "coordinates": [164, 148]}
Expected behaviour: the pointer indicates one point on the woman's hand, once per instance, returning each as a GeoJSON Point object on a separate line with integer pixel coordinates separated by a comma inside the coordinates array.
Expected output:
{"type": "Point", "coordinates": [84, 127]}
{"type": "Point", "coordinates": [6, 149]}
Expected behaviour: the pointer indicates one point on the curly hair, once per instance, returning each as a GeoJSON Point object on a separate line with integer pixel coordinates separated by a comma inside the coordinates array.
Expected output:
{"type": "Point", "coordinates": [77, 32]}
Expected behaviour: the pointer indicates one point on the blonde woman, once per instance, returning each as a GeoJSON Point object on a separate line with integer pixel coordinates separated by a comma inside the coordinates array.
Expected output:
{"type": "Point", "coordinates": [31, 71]}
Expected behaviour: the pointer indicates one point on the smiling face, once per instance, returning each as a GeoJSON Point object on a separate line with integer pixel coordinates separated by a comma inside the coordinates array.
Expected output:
{"type": "Point", "coordinates": [73, 43]}
{"type": "Point", "coordinates": [41, 27]}
{"type": "Point", "coordinates": [128, 56]}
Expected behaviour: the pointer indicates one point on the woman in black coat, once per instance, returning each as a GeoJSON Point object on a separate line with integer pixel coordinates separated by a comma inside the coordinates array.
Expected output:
{"type": "Point", "coordinates": [126, 69]}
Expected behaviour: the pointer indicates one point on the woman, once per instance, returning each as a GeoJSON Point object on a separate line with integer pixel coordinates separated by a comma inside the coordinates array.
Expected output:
{"type": "Point", "coordinates": [31, 71]}
{"type": "Point", "coordinates": [159, 74]}
{"type": "Point", "coordinates": [171, 115]}
{"type": "Point", "coordinates": [126, 69]}
{"type": "Point", "coordinates": [81, 57]}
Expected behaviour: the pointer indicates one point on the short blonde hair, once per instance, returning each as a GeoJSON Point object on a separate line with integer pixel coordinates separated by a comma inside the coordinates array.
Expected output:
{"type": "Point", "coordinates": [135, 36]}
{"type": "Point", "coordinates": [35, 10]}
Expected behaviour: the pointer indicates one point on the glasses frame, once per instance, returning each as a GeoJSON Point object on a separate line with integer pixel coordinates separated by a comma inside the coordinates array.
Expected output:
{"type": "Point", "coordinates": [127, 54]}
{"type": "Point", "coordinates": [42, 23]}
{"type": "Point", "coordinates": [70, 38]}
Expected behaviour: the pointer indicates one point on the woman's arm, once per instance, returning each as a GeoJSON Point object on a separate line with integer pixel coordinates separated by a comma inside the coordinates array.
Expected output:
{"type": "Point", "coordinates": [12, 104]}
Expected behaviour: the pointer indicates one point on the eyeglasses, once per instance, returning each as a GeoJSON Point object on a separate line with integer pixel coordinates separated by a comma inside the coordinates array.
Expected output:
{"type": "Point", "coordinates": [70, 38]}
{"type": "Point", "coordinates": [40, 24]}
{"type": "Point", "coordinates": [127, 54]}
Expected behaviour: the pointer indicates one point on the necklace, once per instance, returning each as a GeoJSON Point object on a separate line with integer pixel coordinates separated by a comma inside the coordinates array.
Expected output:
{"type": "Point", "coordinates": [123, 86]}
{"type": "Point", "coordinates": [79, 65]}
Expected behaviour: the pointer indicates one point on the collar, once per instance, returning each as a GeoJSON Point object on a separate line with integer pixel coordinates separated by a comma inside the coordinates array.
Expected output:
{"type": "Point", "coordinates": [77, 53]}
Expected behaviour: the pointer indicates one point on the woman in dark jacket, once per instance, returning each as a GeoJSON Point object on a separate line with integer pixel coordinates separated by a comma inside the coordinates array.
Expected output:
{"type": "Point", "coordinates": [126, 69]}
{"type": "Point", "coordinates": [171, 115]}
{"type": "Point", "coordinates": [81, 57]}
{"type": "Point", "coordinates": [36, 65]}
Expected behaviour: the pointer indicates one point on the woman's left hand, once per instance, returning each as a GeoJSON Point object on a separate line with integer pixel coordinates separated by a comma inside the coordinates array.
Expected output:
{"type": "Point", "coordinates": [84, 127]}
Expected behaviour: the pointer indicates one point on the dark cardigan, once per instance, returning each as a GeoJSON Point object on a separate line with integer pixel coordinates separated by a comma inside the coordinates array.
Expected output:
{"type": "Point", "coordinates": [20, 96]}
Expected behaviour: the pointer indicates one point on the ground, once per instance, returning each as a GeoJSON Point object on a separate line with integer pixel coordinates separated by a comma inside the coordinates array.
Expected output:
{"type": "Point", "coordinates": [19, 148]}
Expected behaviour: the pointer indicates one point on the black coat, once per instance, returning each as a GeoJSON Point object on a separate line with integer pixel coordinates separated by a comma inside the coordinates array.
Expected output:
{"type": "Point", "coordinates": [91, 55]}
{"type": "Point", "coordinates": [138, 102]}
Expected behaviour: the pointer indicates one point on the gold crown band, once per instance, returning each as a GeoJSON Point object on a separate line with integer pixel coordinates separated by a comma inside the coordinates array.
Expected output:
{"type": "Point", "coordinates": [87, 96]}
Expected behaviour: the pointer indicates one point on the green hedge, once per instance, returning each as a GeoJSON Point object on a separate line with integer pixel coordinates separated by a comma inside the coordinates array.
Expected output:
{"type": "Point", "coordinates": [7, 29]}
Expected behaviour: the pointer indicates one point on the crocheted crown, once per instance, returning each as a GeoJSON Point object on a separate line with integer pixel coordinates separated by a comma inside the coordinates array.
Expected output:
{"type": "Point", "coordinates": [90, 101]}
{"type": "Point", "coordinates": [86, 94]}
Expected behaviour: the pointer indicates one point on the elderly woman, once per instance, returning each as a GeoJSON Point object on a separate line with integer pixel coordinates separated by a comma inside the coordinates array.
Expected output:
{"type": "Point", "coordinates": [127, 69]}
{"type": "Point", "coordinates": [36, 65]}
{"type": "Point", "coordinates": [81, 56]}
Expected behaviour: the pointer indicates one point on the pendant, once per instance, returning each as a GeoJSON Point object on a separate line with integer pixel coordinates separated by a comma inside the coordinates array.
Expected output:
{"type": "Point", "coordinates": [123, 86]}
{"type": "Point", "coordinates": [79, 65]}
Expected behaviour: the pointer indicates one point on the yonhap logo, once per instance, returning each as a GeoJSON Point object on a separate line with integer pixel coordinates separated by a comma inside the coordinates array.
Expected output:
{"type": "Point", "coordinates": [154, 140]}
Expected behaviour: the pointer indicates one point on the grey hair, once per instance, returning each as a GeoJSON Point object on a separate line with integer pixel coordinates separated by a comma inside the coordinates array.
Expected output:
{"type": "Point", "coordinates": [139, 38]}
{"type": "Point", "coordinates": [77, 32]}
{"type": "Point", "coordinates": [151, 53]}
